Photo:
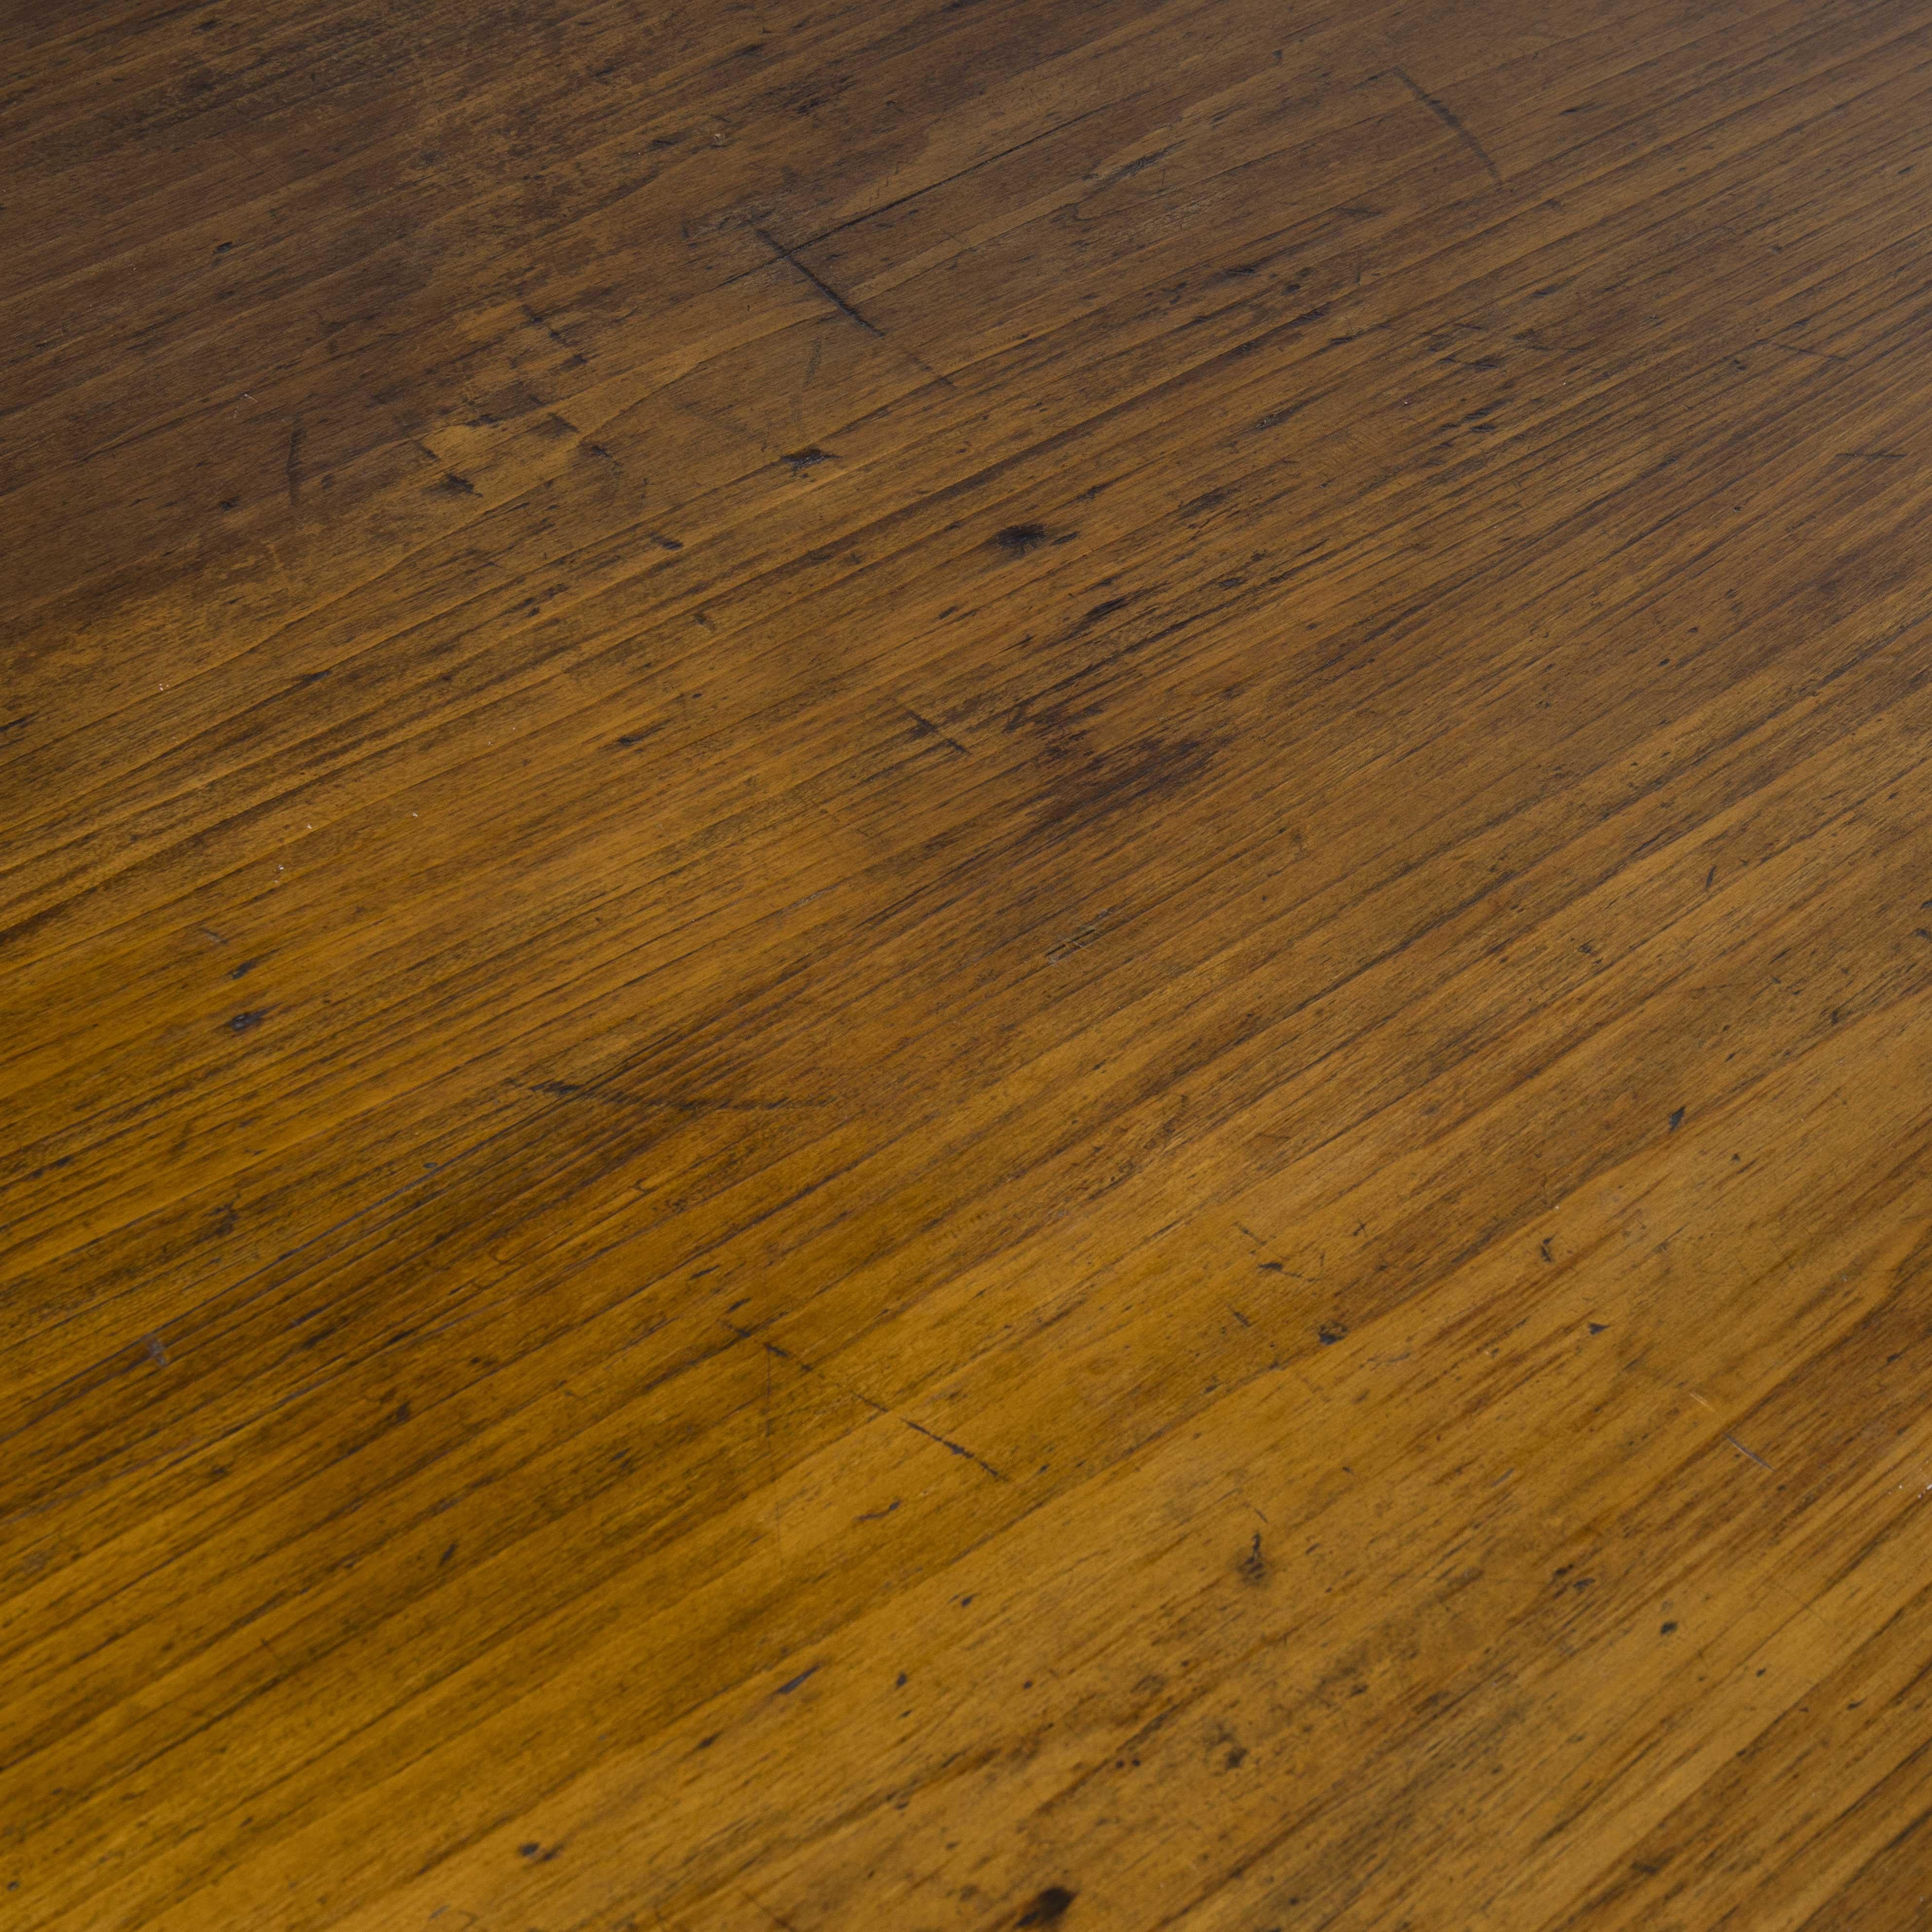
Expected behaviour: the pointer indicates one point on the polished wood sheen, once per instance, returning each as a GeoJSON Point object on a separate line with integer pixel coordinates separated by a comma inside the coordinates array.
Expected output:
{"type": "Point", "coordinates": [966, 966]}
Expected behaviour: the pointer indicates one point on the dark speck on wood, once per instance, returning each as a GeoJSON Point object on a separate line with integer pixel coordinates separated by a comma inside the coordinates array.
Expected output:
{"type": "Point", "coordinates": [1048, 1907]}
{"type": "Point", "coordinates": [246, 1022]}
{"type": "Point", "coordinates": [1016, 539]}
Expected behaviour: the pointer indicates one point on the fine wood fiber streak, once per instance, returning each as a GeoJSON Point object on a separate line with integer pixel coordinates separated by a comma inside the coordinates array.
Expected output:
{"type": "Point", "coordinates": [966, 966]}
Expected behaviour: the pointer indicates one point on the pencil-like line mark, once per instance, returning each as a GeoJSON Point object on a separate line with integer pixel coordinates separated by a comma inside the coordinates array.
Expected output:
{"type": "Point", "coordinates": [772, 1349]}
{"type": "Point", "coordinates": [771, 1462]}
{"type": "Point", "coordinates": [1449, 120]}
{"type": "Point", "coordinates": [567, 1090]}
{"type": "Point", "coordinates": [1795, 349]}
{"type": "Point", "coordinates": [946, 181]}
{"type": "Point", "coordinates": [927, 729]}
{"type": "Point", "coordinates": [1751, 1454]}
{"type": "Point", "coordinates": [878, 1408]}
{"type": "Point", "coordinates": [956, 1449]}
{"type": "Point", "coordinates": [825, 289]}
{"type": "Point", "coordinates": [784, 1925]}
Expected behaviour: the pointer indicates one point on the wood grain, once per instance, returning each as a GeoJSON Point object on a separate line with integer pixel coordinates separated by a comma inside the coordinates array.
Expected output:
{"type": "Point", "coordinates": [966, 966]}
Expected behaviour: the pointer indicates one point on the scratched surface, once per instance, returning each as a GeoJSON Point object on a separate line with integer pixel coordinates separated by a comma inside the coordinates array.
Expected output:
{"type": "Point", "coordinates": [966, 966]}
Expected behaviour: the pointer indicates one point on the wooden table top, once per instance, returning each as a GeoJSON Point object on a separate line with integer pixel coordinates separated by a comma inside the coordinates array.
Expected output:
{"type": "Point", "coordinates": [966, 966]}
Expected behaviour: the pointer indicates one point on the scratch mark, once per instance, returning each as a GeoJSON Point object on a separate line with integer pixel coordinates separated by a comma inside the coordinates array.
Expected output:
{"type": "Point", "coordinates": [772, 1462]}
{"type": "Point", "coordinates": [293, 468]}
{"type": "Point", "coordinates": [924, 728]}
{"type": "Point", "coordinates": [772, 1349]}
{"type": "Point", "coordinates": [157, 1353]}
{"type": "Point", "coordinates": [784, 1925]}
{"type": "Point", "coordinates": [806, 381]}
{"type": "Point", "coordinates": [886, 208]}
{"type": "Point", "coordinates": [566, 1090]}
{"type": "Point", "coordinates": [1129, 170]}
{"type": "Point", "coordinates": [1078, 940]}
{"type": "Point", "coordinates": [1792, 349]}
{"type": "Point", "coordinates": [1751, 1454]}
{"type": "Point", "coordinates": [825, 289]}
{"type": "Point", "coordinates": [1449, 120]}
{"type": "Point", "coordinates": [957, 1449]}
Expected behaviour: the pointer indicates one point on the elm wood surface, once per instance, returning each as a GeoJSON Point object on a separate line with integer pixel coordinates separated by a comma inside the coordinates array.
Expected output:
{"type": "Point", "coordinates": [966, 966]}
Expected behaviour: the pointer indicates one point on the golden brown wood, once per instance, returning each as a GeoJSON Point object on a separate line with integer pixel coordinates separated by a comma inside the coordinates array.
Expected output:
{"type": "Point", "coordinates": [967, 966]}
